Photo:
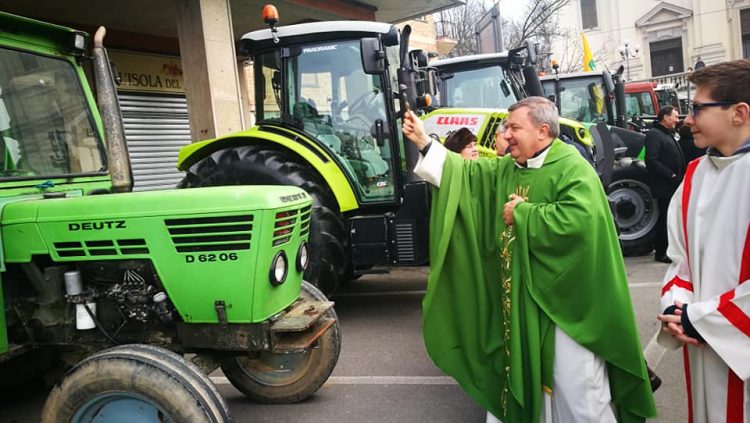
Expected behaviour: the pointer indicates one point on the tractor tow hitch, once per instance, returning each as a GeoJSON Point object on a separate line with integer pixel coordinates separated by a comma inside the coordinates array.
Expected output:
{"type": "Point", "coordinates": [301, 326]}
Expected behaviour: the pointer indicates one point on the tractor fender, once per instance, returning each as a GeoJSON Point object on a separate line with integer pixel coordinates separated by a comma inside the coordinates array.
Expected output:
{"type": "Point", "coordinates": [305, 148]}
{"type": "Point", "coordinates": [581, 131]}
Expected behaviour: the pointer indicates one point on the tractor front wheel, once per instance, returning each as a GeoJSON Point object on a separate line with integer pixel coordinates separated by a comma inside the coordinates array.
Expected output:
{"type": "Point", "coordinates": [284, 378]}
{"type": "Point", "coordinates": [135, 383]}
{"type": "Point", "coordinates": [263, 165]}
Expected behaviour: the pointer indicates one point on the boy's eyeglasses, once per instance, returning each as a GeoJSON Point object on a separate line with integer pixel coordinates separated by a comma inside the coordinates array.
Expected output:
{"type": "Point", "coordinates": [696, 107]}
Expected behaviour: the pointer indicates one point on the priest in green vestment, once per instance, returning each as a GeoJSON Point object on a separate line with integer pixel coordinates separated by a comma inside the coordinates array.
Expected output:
{"type": "Point", "coordinates": [527, 304]}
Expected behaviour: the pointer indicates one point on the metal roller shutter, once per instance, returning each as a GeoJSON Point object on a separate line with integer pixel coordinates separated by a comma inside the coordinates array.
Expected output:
{"type": "Point", "coordinates": [156, 127]}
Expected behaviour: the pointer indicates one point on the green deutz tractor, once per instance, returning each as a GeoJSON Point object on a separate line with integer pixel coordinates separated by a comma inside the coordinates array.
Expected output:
{"type": "Point", "coordinates": [121, 285]}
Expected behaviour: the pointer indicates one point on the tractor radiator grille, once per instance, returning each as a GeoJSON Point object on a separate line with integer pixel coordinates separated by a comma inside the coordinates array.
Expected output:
{"type": "Point", "coordinates": [489, 136]}
{"type": "Point", "coordinates": [283, 227]}
{"type": "Point", "coordinates": [305, 220]}
{"type": "Point", "coordinates": [405, 242]}
{"type": "Point", "coordinates": [104, 247]}
{"type": "Point", "coordinates": [199, 234]}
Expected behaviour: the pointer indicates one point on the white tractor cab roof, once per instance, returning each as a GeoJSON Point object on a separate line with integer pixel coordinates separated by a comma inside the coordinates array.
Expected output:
{"type": "Point", "coordinates": [317, 31]}
{"type": "Point", "coordinates": [570, 75]}
{"type": "Point", "coordinates": [479, 59]}
{"type": "Point", "coordinates": [663, 86]}
{"type": "Point", "coordinates": [668, 95]}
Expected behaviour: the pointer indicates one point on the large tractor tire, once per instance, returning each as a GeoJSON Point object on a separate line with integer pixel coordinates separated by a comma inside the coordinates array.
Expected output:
{"type": "Point", "coordinates": [135, 383]}
{"type": "Point", "coordinates": [261, 165]}
{"type": "Point", "coordinates": [635, 209]}
{"type": "Point", "coordinates": [284, 378]}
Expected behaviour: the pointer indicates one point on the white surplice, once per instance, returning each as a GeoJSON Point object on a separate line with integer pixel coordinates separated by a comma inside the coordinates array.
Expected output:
{"type": "Point", "coordinates": [709, 243]}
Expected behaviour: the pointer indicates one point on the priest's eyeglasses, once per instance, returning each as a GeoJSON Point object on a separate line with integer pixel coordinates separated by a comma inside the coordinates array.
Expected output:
{"type": "Point", "coordinates": [696, 107]}
{"type": "Point", "coordinates": [501, 128]}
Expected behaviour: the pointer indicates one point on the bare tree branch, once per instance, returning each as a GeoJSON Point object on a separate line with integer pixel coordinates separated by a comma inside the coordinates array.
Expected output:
{"type": "Point", "coordinates": [538, 24]}
{"type": "Point", "coordinates": [459, 23]}
{"type": "Point", "coordinates": [571, 56]}
{"type": "Point", "coordinates": [543, 20]}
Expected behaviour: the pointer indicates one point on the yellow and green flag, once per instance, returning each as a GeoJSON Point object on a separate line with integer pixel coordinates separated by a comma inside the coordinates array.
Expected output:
{"type": "Point", "coordinates": [588, 58]}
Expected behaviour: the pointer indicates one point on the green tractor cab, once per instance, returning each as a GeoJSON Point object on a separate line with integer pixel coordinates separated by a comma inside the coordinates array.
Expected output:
{"type": "Point", "coordinates": [495, 81]}
{"type": "Point", "coordinates": [118, 284]}
{"type": "Point", "coordinates": [592, 102]}
{"type": "Point", "coordinates": [594, 97]}
{"type": "Point", "coordinates": [329, 97]}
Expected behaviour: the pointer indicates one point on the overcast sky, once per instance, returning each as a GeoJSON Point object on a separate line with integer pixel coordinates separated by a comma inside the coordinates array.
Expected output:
{"type": "Point", "coordinates": [509, 9]}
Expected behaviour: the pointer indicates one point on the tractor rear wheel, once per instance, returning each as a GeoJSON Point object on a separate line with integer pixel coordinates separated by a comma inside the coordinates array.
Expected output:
{"type": "Point", "coordinates": [635, 210]}
{"type": "Point", "coordinates": [132, 383]}
{"type": "Point", "coordinates": [263, 165]}
{"type": "Point", "coordinates": [284, 378]}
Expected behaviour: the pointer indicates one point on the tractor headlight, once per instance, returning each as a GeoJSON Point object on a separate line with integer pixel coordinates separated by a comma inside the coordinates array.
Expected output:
{"type": "Point", "coordinates": [279, 268]}
{"type": "Point", "coordinates": [581, 133]}
{"type": "Point", "coordinates": [303, 257]}
{"type": "Point", "coordinates": [79, 45]}
{"type": "Point", "coordinates": [79, 41]}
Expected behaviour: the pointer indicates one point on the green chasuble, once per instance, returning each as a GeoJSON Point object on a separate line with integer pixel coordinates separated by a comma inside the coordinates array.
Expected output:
{"type": "Point", "coordinates": [564, 269]}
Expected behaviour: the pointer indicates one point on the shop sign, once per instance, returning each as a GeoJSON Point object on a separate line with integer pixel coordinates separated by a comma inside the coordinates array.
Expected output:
{"type": "Point", "coordinates": [148, 72]}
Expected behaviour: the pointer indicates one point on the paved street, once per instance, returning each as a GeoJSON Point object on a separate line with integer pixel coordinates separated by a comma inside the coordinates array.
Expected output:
{"type": "Point", "coordinates": [384, 375]}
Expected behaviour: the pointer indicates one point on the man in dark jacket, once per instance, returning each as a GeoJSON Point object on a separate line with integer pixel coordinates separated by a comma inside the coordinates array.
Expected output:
{"type": "Point", "coordinates": [665, 163]}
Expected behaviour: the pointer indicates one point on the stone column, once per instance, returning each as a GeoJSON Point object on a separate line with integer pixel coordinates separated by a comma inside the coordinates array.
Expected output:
{"type": "Point", "coordinates": [209, 65]}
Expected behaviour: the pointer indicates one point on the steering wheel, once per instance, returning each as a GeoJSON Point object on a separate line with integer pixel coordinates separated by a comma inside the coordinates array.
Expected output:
{"type": "Point", "coordinates": [364, 103]}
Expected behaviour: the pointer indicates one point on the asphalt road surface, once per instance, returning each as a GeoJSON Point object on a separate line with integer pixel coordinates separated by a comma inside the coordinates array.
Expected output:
{"type": "Point", "coordinates": [384, 374]}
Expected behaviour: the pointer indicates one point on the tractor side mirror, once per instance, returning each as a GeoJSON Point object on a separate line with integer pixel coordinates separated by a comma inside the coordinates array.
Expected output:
{"type": "Point", "coordinates": [393, 37]}
{"type": "Point", "coordinates": [432, 82]}
{"type": "Point", "coordinates": [373, 57]}
{"type": "Point", "coordinates": [419, 58]}
{"type": "Point", "coordinates": [276, 80]}
{"type": "Point", "coordinates": [426, 88]}
{"type": "Point", "coordinates": [531, 56]}
{"type": "Point", "coordinates": [378, 131]}
{"type": "Point", "coordinates": [609, 84]}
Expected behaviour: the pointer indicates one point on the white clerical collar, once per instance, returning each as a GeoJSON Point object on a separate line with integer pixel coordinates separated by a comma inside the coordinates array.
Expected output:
{"type": "Point", "coordinates": [721, 162]}
{"type": "Point", "coordinates": [537, 161]}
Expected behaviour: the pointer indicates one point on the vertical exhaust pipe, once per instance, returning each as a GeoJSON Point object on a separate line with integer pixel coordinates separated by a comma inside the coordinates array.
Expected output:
{"type": "Point", "coordinates": [109, 108]}
{"type": "Point", "coordinates": [620, 105]}
{"type": "Point", "coordinates": [407, 90]}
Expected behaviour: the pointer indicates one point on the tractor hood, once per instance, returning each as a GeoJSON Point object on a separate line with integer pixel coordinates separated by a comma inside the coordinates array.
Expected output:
{"type": "Point", "coordinates": [206, 244]}
{"type": "Point", "coordinates": [167, 203]}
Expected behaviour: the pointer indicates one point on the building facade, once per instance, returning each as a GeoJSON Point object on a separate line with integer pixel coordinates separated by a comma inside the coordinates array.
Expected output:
{"type": "Point", "coordinates": [653, 38]}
